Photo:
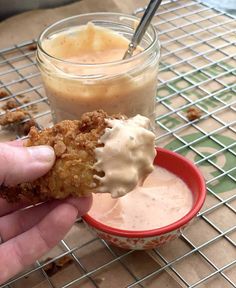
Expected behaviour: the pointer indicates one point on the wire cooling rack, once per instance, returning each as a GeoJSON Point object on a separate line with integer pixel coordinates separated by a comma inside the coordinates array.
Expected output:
{"type": "Point", "coordinates": [198, 69]}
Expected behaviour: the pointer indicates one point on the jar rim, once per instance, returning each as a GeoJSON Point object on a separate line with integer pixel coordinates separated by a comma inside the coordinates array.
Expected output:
{"type": "Point", "coordinates": [144, 52]}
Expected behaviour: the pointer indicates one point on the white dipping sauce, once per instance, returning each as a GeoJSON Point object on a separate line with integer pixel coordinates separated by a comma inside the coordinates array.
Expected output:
{"type": "Point", "coordinates": [163, 199]}
{"type": "Point", "coordinates": [127, 155]}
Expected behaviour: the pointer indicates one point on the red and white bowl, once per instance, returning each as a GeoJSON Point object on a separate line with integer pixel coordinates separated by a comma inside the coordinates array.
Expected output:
{"type": "Point", "coordinates": [149, 239]}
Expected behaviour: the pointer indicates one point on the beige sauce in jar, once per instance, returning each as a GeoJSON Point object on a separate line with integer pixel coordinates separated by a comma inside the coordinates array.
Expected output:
{"type": "Point", "coordinates": [163, 199]}
{"type": "Point", "coordinates": [83, 81]}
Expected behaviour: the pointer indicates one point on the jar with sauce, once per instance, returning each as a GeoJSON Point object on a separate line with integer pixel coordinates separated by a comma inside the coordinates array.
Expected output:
{"type": "Point", "coordinates": [80, 59]}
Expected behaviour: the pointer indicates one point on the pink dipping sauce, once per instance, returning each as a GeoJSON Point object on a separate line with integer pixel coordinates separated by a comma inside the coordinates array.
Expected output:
{"type": "Point", "coordinates": [163, 199]}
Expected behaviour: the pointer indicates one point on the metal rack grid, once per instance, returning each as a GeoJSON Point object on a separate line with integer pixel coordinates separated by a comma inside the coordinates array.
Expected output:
{"type": "Point", "coordinates": [198, 69]}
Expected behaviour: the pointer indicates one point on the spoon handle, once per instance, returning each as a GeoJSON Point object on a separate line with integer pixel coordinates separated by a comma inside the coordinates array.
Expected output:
{"type": "Point", "coordinates": [142, 27]}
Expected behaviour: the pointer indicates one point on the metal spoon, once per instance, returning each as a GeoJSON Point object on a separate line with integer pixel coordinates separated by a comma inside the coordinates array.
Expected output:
{"type": "Point", "coordinates": [142, 27]}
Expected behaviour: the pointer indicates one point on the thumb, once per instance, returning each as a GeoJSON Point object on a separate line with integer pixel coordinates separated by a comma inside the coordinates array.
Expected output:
{"type": "Point", "coordinates": [21, 164]}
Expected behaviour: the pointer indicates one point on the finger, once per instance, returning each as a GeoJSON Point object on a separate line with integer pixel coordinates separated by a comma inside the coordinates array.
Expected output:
{"type": "Point", "coordinates": [6, 208]}
{"type": "Point", "coordinates": [17, 223]}
{"type": "Point", "coordinates": [24, 163]}
{"type": "Point", "coordinates": [19, 252]}
{"type": "Point", "coordinates": [16, 143]}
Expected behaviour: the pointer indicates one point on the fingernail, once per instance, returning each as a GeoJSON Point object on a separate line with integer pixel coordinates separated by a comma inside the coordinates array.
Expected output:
{"type": "Point", "coordinates": [42, 153]}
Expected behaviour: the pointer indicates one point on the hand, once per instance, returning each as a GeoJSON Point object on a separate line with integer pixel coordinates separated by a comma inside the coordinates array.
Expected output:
{"type": "Point", "coordinates": [27, 234]}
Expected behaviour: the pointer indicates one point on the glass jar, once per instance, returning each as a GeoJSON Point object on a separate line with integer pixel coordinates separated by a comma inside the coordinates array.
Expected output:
{"type": "Point", "coordinates": [228, 6]}
{"type": "Point", "coordinates": [120, 86]}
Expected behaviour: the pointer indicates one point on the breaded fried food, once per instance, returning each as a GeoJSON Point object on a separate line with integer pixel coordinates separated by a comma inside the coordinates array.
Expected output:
{"type": "Point", "coordinates": [24, 128]}
{"type": "Point", "coordinates": [10, 104]}
{"type": "Point", "coordinates": [74, 143]}
{"type": "Point", "coordinates": [12, 117]}
{"type": "Point", "coordinates": [193, 113]}
{"type": "Point", "coordinates": [98, 153]}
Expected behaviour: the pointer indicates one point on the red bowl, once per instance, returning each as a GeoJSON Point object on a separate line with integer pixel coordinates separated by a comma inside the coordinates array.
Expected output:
{"type": "Point", "coordinates": [149, 239]}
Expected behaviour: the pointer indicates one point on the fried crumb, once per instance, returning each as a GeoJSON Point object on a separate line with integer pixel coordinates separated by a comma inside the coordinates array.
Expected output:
{"type": "Point", "coordinates": [32, 47]}
{"type": "Point", "coordinates": [63, 261]}
{"type": "Point", "coordinates": [3, 94]}
{"type": "Point", "coordinates": [33, 108]}
{"type": "Point", "coordinates": [24, 128]}
{"type": "Point", "coordinates": [193, 113]}
{"type": "Point", "coordinates": [57, 265]}
{"type": "Point", "coordinates": [12, 117]}
{"type": "Point", "coordinates": [59, 148]}
{"type": "Point", "coordinates": [26, 101]}
{"type": "Point", "coordinates": [50, 268]}
{"type": "Point", "coordinates": [21, 95]}
{"type": "Point", "coordinates": [10, 104]}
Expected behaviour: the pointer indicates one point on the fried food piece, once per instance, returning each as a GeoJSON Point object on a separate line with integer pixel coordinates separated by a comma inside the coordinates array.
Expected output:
{"type": "Point", "coordinates": [11, 104]}
{"type": "Point", "coordinates": [3, 94]}
{"type": "Point", "coordinates": [57, 265]}
{"type": "Point", "coordinates": [12, 117]}
{"type": "Point", "coordinates": [24, 128]}
{"type": "Point", "coordinates": [72, 174]}
{"type": "Point", "coordinates": [193, 113]}
{"type": "Point", "coordinates": [32, 47]}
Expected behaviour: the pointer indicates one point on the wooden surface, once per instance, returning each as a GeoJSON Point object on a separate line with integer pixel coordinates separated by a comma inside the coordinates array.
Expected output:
{"type": "Point", "coordinates": [28, 25]}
